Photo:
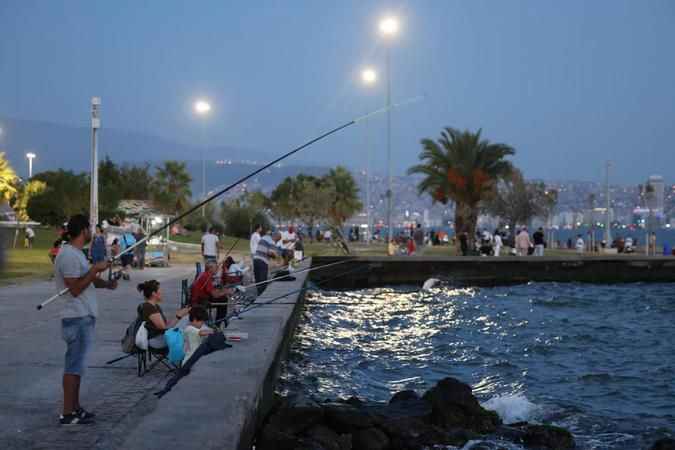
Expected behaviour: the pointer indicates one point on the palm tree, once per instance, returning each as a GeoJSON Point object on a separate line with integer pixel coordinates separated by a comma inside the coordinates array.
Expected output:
{"type": "Point", "coordinates": [463, 168]}
{"type": "Point", "coordinates": [7, 178]}
{"type": "Point", "coordinates": [346, 195]}
{"type": "Point", "coordinates": [172, 187]}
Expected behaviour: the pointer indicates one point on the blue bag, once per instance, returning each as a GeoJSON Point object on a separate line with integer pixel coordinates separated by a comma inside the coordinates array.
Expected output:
{"type": "Point", "coordinates": [174, 340]}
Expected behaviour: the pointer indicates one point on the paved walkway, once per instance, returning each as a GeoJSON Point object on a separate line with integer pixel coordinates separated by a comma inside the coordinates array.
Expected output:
{"type": "Point", "coordinates": [206, 410]}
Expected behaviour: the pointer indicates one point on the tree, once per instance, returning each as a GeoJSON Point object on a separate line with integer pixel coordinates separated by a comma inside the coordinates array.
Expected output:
{"type": "Point", "coordinates": [464, 169]}
{"type": "Point", "coordinates": [136, 181]}
{"type": "Point", "coordinates": [109, 187]}
{"type": "Point", "coordinates": [517, 201]}
{"type": "Point", "coordinates": [7, 178]}
{"type": "Point", "coordinates": [346, 200]}
{"type": "Point", "coordinates": [314, 202]}
{"type": "Point", "coordinates": [239, 216]}
{"type": "Point", "coordinates": [172, 187]}
{"type": "Point", "coordinates": [66, 194]}
{"type": "Point", "coordinates": [24, 192]}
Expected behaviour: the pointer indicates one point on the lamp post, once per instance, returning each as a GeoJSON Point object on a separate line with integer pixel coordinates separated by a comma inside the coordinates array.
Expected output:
{"type": "Point", "coordinates": [369, 77]}
{"type": "Point", "coordinates": [202, 108]}
{"type": "Point", "coordinates": [389, 28]}
{"type": "Point", "coordinates": [30, 156]}
{"type": "Point", "coordinates": [93, 193]}
{"type": "Point", "coordinates": [608, 234]}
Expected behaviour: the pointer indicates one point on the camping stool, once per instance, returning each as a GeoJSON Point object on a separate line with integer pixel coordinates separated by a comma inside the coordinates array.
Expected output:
{"type": "Point", "coordinates": [198, 269]}
{"type": "Point", "coordinates": [184, 294]}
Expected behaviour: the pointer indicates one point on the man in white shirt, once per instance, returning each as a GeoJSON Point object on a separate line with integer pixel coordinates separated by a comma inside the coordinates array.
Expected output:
{"type": "Point", "coordinates": [290, 237]}
{"type": "Point", "coordinates": [210, 246]}
{"type": "Point", "coordinates": [497, 239]}
{"type": "Point", "coordinates": [255, 238]}
{"type": "Point", "coordinates": [580, 246]}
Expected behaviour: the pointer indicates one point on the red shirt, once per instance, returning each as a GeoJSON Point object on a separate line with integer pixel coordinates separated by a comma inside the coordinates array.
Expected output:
{"type": "Point", "coordinates": [202, 288]}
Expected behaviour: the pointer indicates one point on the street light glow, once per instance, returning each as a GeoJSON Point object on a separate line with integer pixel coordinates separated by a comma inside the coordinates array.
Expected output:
{"type": "Point", "coordinates": [202, 107]}
{"type": "Point", "coordinates": [369, 76]}
{"type": "Point", "coordinates": [30, 155]}
{"type": "Point", "coordinates": [389, 26]}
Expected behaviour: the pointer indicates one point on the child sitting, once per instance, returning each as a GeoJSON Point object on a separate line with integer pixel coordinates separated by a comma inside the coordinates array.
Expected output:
{"type": "Point", "coordinates": [195, 331]}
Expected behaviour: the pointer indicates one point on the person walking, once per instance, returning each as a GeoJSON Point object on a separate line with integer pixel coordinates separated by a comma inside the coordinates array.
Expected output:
{"type": "Point", "coordinates": [464, 243]}
{"type": "Point", "coordinates": [140, 248]}
{"type": "Point", "coordinates": [210, 246]}
{"type": "Point", "coordinates": [97, 249]}
{"type": "Point", "coordinates": [78, 315]}
{"type": "Point", "coordinates": [539, 243]}
{"type": "Point", "coordinates": [498, 243]}
{"type": "Point", "coordinates": [523, 242]}
{"type": "Point", "coordinates": [30, 237]}
{"type": "Point", "coordinates": [652, 244]}
{"type": "Point", "coordinates": [418, 235]}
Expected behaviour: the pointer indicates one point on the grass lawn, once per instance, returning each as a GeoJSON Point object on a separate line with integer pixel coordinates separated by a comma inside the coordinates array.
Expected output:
{"type": "Point", "coordinates": [25, 264]}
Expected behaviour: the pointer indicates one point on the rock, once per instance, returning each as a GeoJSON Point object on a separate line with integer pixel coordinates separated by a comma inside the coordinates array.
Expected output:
{"type": "Point", "coordinates": [323, 435]}
{"type": "Point", "coordinates": [454, 406]}
{"type": "Point", "coordinates": [354, 401]}
{"type": "Point", "coordinates": [370, 439]}
{"type": "Point", "coordinates": [297, 414]}
{"type": "Point", "coordinates": [664, 444]}
{"type": "Point", "coordinates": [345, 418]}
{"type": "Point", "coordinates": [272, 438]}
{"type": "Point", "coordinates": [548, 437]}
{"type": "Point", "coordinates": [404, 396]}
{"type": "Point", "coordinates": [514, 432]}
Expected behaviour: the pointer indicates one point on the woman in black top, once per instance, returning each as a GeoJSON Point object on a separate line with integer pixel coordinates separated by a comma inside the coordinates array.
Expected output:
{"type": "Point", "coordinates": [153, 316]}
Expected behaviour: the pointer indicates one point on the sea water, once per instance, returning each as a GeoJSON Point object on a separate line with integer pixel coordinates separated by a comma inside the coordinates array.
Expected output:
{"type": "Point", "coordinates": [596, 359]}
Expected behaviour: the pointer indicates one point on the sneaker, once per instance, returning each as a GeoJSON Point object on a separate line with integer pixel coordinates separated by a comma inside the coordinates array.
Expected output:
{"type": "Point", "coordinates": [74, 419]}
{"type": "Point", "coordinates": [84, 414]}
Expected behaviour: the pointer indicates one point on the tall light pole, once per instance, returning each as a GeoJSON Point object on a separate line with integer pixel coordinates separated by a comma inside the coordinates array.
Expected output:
{"type": "Point", "coordinates": [608, 234]}
{"type": "Point", "coordinates": [389, 28]}
{"type": "Point", "coordinates": [202, 108]}
{"type": "Point", "coordinates": [30, 156]}
{"type": "Point", "coordinates": [93, 186]}
{"type": "Point", "coordinates": [369, 77]}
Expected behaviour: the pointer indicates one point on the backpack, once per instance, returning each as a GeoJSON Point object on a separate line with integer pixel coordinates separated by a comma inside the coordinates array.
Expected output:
{"type": "Point", "coordinates": [128, 341]}
{"type": "Point", "coordinates": [174, 340]}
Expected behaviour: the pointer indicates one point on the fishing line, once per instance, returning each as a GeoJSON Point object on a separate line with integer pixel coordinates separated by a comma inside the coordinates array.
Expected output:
{"type": "Point", "coordinates": [239, 181]}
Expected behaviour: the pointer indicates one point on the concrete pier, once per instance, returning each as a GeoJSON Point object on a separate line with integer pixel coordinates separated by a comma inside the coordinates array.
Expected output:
{"type": "Point", "coordinates": [491, 271]}
{"type": "Point", "coordinates": [215, 407]}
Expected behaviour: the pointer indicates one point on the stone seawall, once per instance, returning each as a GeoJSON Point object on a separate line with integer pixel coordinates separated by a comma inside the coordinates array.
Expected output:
{"type": "Point", "coordinates": [490, 271]}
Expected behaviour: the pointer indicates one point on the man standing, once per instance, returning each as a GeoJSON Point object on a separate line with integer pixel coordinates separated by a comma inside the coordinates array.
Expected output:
{"type": "Point", "coordinates": [418, 235]}
{"type": "Point", "coordinates": [255, 238]}
{"type": "Point", "coordinates": [78, 316]}
{"type": "Point", "coordinates": [267, 248]}
{"type": "Point", "coordinates": [30, 236]}
{"type": "Point", "coordinates": [210, 246]}
{"type": "Point", "coordinates": [497, 238]}
{"type": "Point", "coordinates": [140, 248]}
{"type": "Point", "coordinates": [539, 243]}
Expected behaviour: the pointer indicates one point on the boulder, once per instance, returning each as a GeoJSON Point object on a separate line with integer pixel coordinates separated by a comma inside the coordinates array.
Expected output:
{"type": "Point", "coordinates": [271, 438]}
{"type": "Point", "coordinates": [344, 418]}
{"type": "Point", "coordinates": [370, 439]}
{"type": "Point", "coordinates": [296, 414]}
{"type": "Point", "coordinates": [548, 437]}
{"type": "Point", "coordinates": [324, 436]}
{"type": "Point", "coordinates": [454, 406]}
{"type": "Point", "coordinates": [404, 396]}
{"type": "Point", "coordinates": [664, 444]}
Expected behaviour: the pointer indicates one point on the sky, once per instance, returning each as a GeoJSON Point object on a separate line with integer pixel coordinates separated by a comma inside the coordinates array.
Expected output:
{"type": "Point", "coordinates": [568, 84]}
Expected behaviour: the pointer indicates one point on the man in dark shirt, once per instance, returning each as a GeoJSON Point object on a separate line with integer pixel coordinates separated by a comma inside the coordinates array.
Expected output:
{"type": "Point", "coordinates": [539, 243]}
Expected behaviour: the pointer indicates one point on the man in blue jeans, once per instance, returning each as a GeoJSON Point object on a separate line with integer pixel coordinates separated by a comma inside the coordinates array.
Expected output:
{"type": "Point", "coordinates": [78, 316]}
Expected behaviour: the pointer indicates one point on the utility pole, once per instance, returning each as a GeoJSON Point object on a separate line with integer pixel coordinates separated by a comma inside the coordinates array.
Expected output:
{"type": "Point", "coordinates": [93, 194]}
{"type": "Point", "coordinates": [390, 225]}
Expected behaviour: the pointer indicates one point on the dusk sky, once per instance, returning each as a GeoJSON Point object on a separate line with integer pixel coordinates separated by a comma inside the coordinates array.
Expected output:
{"type": "Point", "coordinates": [569, 84]}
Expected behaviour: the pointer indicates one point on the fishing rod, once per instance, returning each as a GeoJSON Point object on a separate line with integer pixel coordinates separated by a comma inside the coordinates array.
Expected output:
{"type": "Point", "coordinates": [241, 180]}
{"type": "Point", "coordinates": [254, 305]}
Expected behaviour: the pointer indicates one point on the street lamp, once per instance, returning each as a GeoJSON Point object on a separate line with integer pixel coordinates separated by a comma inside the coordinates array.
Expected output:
{"type": "Point", "coordinates": [389, 28]}
{"type": "Point", "coordinates": [369, 78]}
{"type": "Point", "coordinates": [202, 108]}
{"type": "Point", "coordinates": [30, 156]}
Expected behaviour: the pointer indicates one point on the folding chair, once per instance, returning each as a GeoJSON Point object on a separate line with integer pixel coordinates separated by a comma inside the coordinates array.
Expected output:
{"type": "Point", "coordinates": [145, 355]}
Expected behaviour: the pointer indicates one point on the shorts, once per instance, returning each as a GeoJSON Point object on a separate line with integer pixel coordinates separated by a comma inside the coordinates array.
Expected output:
{"type": "Point", "coordinates": [78, 332]}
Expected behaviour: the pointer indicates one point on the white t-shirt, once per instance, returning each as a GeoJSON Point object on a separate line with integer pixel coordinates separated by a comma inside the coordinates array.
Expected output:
{"type": "Point", "coordinates": [327, 235]}
{"type": "Point", "coordinates": [71, 263]}
{"type": "Point", "coordinates": [498, 240]}
{"type": "Point", "coordinates": [255, 238]}
{"type": "Point", "coordinates": [580, 244]}
{"type": "Point", "coordinates": [30, 233]}
{"type": "Point", "coordinates": [210, 242]}
{"type": "Point", "coordinates": [191, 341]}
{"type": "Point", "coordinates": [290, 238]}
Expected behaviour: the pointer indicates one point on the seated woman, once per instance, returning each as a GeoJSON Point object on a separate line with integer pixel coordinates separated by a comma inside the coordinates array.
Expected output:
{"type": "Point", "coordinates": [153, 316]}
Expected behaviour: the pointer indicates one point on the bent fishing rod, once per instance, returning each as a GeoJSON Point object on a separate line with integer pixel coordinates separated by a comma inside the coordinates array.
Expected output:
{"type": "Point", "coordinates": [241, 180]}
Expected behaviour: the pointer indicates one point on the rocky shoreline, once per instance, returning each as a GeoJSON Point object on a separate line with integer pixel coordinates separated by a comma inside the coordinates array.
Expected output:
{"type": "Point", "coordinates": [447, 414]}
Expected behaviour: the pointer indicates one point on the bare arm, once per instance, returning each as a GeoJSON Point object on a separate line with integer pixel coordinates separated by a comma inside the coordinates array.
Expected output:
{"type": "Point", "coordinates": [78, 285]}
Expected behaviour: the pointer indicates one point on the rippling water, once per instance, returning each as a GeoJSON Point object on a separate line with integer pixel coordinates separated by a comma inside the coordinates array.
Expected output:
{"type": "Point", "coordinates": [597, 359]}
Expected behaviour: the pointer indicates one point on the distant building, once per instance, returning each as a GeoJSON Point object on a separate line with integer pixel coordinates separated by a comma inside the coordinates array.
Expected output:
{"type": "Point", "coordinates": [656, 203]}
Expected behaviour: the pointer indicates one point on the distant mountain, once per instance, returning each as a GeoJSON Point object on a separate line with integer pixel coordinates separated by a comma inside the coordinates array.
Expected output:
{"type": "Point", "coordinates": [69, 147]}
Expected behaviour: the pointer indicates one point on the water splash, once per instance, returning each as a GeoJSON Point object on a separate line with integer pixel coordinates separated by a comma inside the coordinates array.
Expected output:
{"type": "Point", "coordinates": [512, 408]}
